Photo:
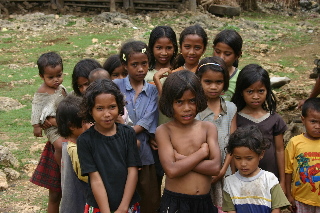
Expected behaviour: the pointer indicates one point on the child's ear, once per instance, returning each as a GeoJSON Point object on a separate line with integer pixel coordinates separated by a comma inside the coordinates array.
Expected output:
{"type": "Point", "coordinates": [302, 119]}
{"type": "Point", "coordinates": [261, 155]}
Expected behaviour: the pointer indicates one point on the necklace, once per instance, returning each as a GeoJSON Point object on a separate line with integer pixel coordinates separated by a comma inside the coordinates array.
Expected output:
{"type": "Point", "coordinates": [184, 67]}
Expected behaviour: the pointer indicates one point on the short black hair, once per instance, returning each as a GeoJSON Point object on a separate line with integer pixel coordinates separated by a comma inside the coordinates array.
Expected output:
{"type": "Point", "coordinates": [100, 86]}
{"type": "Point", "coordinates": [248, 136]}
{"type": "Point", "coordinates": [215, 64]}
{"type": "Point", "coordinates": [98, 73]}
{"type": "Point", "coordinates": [310, 104]}
{"type": "Point", "coordinates": [67, 115]}
{"type": "Point", "coordinates": [49, 59]}
{"type": "Point", "coordinates": [162, 32]}
{"type": "Point", "coordinates": [82, 69]}
{"type": "Point", "coordinates": [174, 87]}
{"type": "Point", "coordinates": [249, 75]}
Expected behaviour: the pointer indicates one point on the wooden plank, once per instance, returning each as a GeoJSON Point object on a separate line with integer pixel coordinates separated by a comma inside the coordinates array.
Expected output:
{"type": "Point", "coordinates": [153, 8]}
{"type": "Point", "coordinates": [154, 2]}
{"type": "Point", "coordinates": [86, 5]}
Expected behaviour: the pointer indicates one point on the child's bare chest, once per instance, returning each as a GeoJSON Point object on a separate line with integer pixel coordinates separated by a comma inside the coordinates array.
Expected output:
{"type": "Point", "coordinates": [188, 142]}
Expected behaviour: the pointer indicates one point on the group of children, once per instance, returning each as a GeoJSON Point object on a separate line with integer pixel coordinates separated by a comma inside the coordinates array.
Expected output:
{"type": "Point", "coordinates": [150, 110]}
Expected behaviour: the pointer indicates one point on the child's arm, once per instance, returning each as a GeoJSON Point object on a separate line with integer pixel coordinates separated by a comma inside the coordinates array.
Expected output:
{"type": "Point", "coordinates": [290, 198]}
{"type": "Point", "coordinates": [277, 210]}
{"type": "Point", "coordinates": [99, 192]}
{"type": "Point", "coordinates": [224, 168]}
{"type": "Point", "coordinates": [158, 75]}
{"type": "Point", "coordinates": [279, 145]}
{"type": "Point", "coordinates": [129, 189]}
{"type": "Point", "coordinates": [172, 167]}
{"type": "Point", "coordinates": [212, 165]}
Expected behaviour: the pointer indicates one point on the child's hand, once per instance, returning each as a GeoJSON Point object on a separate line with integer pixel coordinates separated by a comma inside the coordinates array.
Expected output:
{"type": "Point", "coordinates": [293, 207]}
{"type": "Point", "coordinates": [120, 119]}
{"type": "Point", "coordinates": [163, 72]}
{"type": "Point", "coordinates": [205, 149]}
{"type": "Point", "coordinates": [46, 124]}
{"type": "Point", "coordinates": [218, 177]}
{"type": "Point", "coordinates": [37, 131]}
{"type": "Point", "coordinates": [121, 210]}
{"type": "Point", "coordinates": [178, 156]}
{"type": "Point", "coordinates": [153, 144]}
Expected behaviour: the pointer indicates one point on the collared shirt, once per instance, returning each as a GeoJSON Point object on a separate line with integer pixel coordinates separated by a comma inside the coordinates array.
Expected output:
{"type": "Point", "coordinates": [143, 112]}
{"type": "Point", "coordinates": [223, 124]}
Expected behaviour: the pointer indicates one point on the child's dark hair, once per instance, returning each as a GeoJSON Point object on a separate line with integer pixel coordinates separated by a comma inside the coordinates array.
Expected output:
{"type": "Point", "coordinates": [310, 104]}
{"type": "Point", "coordinates": [174, 87]}
{"type": "Point", "coordinates": [132, 47]}
{"type": "Point", "coordinates": [100, 86]}
{"type": "Point", "coordinates": [162, 32]}
{"type": "Point", "coordinates": [248, 136]}
{"type": "Point", "coordinates": [249, 75]}
{"type": "Point", "coordinates": [215, 64]}
{"type": "Point", "coordinates": [48, 59]}
{"type": "Point", "coordinates": [232, 39]}
{"type": "Point", "coordinates": [98, 73]}
{"type": "Point", "coordinates": [67, 115]}
{"type": "Point", "coordinates": [82, 69]}
{"type": "Point", "coordinates": [191, 30]}
{"type": "Point", "coordinates": [112, 63]}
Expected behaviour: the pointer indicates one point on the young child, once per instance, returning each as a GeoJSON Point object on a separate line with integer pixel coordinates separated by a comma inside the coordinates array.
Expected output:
{"type": "Point", "coordinates": [256, 105]}
{"type": "Point", "coordinates": [70, 126]}
{"type": "Point", "coordinates": [49, 94]}
{"type": "Point", "coordinates": [302, 166]}
{"type": "Point", "coordinates": [114, 67]}
{"type": "Point", "coordinates": [142, 104]}
{"type": "Point", "coordinates": [164, 48]}
{"type": "Point", "coordinates": [251, 189]}
{"type": "Point", "coordinates": [108, 152]}
{"type": "Point", "coordinates": [193, 42]}
{"type": "Point", "coordinates": [188, 148]}
{"type": "Point", "coordinates": [80, 75]}
{"type": "Point", "coordinates": [228, 45]}
{"type": "Point", "coordinates": [98, 73]}
{"type": "Point", "coordinates": [45, 100]}
{"type": "Point", "coordinates": [214, 78]}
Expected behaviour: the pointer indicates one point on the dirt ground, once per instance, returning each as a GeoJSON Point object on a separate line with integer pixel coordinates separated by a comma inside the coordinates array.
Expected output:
{"type": "Point", "coordinates": [25, 197]}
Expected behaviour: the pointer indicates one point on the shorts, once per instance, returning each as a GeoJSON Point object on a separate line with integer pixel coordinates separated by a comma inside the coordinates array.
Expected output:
{"type": "Point", "coordinates": [305, 208]}
{"type": "Point", "coordinates": [47, 174]}
{"type": "Point", "coordinates": [90, 209]}
{"type": "Point", "coordinates": [172, 202]}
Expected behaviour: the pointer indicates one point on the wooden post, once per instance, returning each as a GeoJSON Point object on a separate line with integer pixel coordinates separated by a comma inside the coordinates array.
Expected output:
{"type": "Point", "coordinates": [112, 6]}
{"type": "Point", "coordinates": [192, 5]}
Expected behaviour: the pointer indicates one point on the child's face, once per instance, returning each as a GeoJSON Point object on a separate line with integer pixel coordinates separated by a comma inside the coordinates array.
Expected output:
{"type": "Point", "coordinates": [105, 112]}
{"type": "Point", "coordinates": [119, 73]}
{"type": "Point", "coordinates": [212, 83]}
{"type": "Point", "coordinates": [137, 66]}
{"type": "Point", "coordinates": [192, 48]}
{"type": "Point", "coordinates": [83, 84]}
{"type": "Point", "coordinates": [185, 108]}
{"type": "Point", "coordinates": [163, 51]}
{"type": "Point", "coordinates": [255, 95]}
{"type": "Point", "coordinates": [312, 124]}
{"type": "Point", "coordinates": [246, 161]}
{"type": "Point", "coordinates": [53, 76]}
{"type": "Point", "coordinates": [225, 52]}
